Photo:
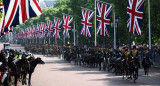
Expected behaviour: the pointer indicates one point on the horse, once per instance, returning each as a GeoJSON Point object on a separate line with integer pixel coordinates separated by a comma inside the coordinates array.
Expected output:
{"type": "Point", "coordinates": [32, 65]}
{"type": "Point", "coordinates": [20, 63]}
{"type": "Point", "coordinates": [146, 64]}
{"type": "Point", "coordinates": [131, 66]}
{"type": "Point", "coordinates": [135, 67]}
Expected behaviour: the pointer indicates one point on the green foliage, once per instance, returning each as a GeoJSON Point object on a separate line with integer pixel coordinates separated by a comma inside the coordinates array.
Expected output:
{"type": "Point", "coordinates": [1, 13]}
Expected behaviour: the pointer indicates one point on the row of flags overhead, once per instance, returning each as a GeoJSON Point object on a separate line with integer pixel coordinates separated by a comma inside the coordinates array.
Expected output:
{"type": "Point", "coordinates": [103, 13]}
{"type": "Point", "coordinates": [47, 30]}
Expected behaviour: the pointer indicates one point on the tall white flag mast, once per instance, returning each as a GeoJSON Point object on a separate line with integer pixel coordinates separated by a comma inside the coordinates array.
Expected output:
{"type": "Point", "coordinates": [95, 24]}
{"type": "Point", "coordinates": [149, 21]}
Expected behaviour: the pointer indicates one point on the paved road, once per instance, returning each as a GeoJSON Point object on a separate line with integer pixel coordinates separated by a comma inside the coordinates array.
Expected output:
{"type": "Point", "coordinates": [57, 72]}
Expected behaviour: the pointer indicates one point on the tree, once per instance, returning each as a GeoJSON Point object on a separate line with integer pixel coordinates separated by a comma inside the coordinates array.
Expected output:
{"type": "Point", "coordinates": [1, 13]}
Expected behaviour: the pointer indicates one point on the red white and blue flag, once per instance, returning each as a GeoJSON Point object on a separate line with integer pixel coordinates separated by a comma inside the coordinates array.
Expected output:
{"type": "Point", "coordinates": [57, 27]}
{"type": "Point", "coordinates": [6, 30]}
{"type": "Point", "coordinates": [34, 31]}
{"type": "Point", "coordinates": [43, 30]}
{"type": "Point", "coordinates": [31, 32]}
{"type": "Point", "coordinates": [28, 33]}
{"type": "Point", "coordinates": [18, 11]}
{"type": "Point", "coordinates": [103, 18]}
{"type": "Point", "coordinates": [49, 28]}
{"type": "Point", "coordinates": [67, 25]}
{"type": "Point", "coordinates": [25, 33]}
{"type": "Point", "coordinates": [86, 21]}
{"type": "Point", "coordinates": [134, 16]}
{"type": "Point", "coordinates": [38, 31]}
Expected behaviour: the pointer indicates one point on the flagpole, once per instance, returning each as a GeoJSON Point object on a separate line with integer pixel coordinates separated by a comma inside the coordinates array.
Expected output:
{"type": "Point", "coordinates": [95, 25]}
{"type": "Point", "coordinates": [149, 20]}
{"type": "Point", "coordinates": [44, 40]}
{"type": "Point", "coordinates": [114, 32]}
{"type": "Point", "coordinates": [49, 40]}
{"type": "Point", "coordinates": [74, 35]}
{"type": "Point", "coordinates": [77, 38]}
{"type": "Point", "coordinates": [64, 40]}
{"type": "Point", "coordinates": [55, 40]}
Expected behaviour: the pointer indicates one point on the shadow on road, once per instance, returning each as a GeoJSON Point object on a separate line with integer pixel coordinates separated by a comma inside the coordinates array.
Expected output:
{"type": "Point", "coordinates": [111, 79]}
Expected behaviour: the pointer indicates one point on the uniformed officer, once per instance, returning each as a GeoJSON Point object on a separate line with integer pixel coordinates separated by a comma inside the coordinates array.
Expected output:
{"type": "Point", "coordinates": [126, 52]}
{"type": "Point", "coordinates": [134, 52]}
{"type": "Point", "coordinates": [16, 56]}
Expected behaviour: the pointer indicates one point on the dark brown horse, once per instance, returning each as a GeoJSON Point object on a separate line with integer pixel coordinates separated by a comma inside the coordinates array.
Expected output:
{"type": "Point", "coordinates": [19, 65]}
{"type": "Point", "coordinates": [32, 65]}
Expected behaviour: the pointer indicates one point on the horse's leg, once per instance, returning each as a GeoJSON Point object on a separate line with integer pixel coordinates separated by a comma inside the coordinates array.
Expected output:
{"type": "Point", "coordinates": [127, 73]}
{"type": "Point", "coordinates": [24, 79]}
{"type": "Point", "coordinates": [123, 73]}
{"type": "Point", "coordinates": [134, 76]}
{"type": "Point", "coordinates": [147, 71]}
{"type": "Point", "coordinates": [24, 76]}
{"type": "Point", "coordinates": [131, 73]}
{"type": "Point", "coordinates": [15, 80]}
{"type": "Point", "coordinates": [99, 66]}
{"type": "Point", "coordinates": [29, 80]}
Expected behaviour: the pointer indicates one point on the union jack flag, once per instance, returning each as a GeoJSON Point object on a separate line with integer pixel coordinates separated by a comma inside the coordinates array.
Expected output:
{"type": "Point", "coordinates": [43, 30]}
{"type": "Point", "coordinates": [6, 30]}
{"type": "Point", "coordinates": [31, 32]}
{"type": "Point", "coordinates": [17, 11]}
{"type": "Point", "coordinates": [67, 25]}
{"type": "Point", "coordinates": [34, 31]}
{"type": "Point", "coordinates": [38, 31]}
{"type": "Point", "coordinates": [57, 27]}
{"type": "Point", "coordinates": [28, 33]}
{"type": "Point", "coordinates": [103, 18]}
{"type": "Point", "coordinates": [134, 16]}
{"type": "Point", "coordinates": [23, 34]}
{"type": "Point", "coordinates": [49, 28]}
{"type": "Point", "coordinates": [86, 21]}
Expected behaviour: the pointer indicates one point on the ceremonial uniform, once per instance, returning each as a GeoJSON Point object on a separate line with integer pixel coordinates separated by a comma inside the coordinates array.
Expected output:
{"type": "Point", "coordinates": [126, 54]}
{"type": "Point", "coordinates": [134, 53]}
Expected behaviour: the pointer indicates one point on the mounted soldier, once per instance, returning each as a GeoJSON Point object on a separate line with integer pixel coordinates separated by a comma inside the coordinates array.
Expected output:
{"type": "Point", "coordinates": [126, 53]}
{"type": "Point", "coordinates": [134, 54]}
{"type": "Point", "coordinates": [146, 62]}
